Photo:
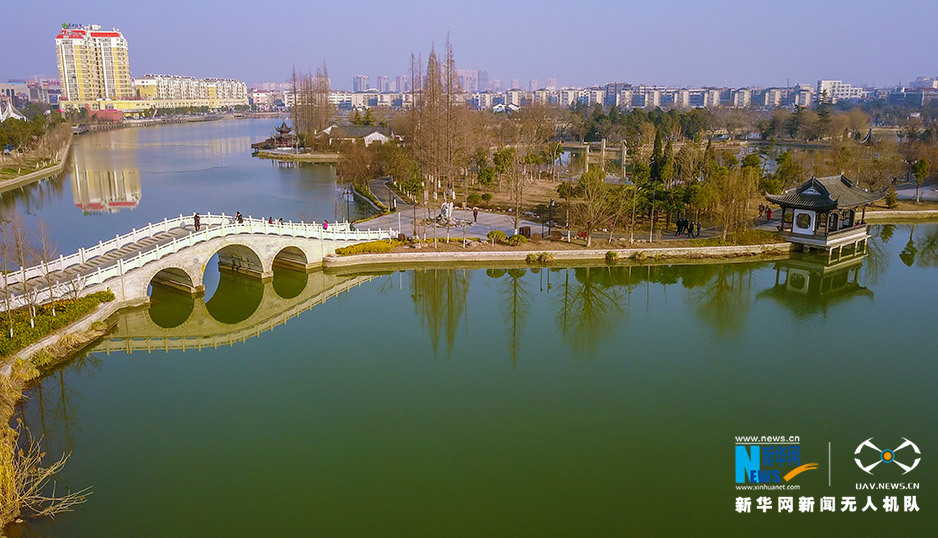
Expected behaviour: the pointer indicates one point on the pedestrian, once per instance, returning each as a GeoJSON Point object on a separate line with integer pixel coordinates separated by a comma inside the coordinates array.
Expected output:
{"type": "Point", "coordinates": [197, 220]}
{"type": "Point", "coordinates": [270, 220]}
{"type": "Point", "coordinates": [239, 217]}
{"type": "Point", "coordinates": [768, 214]}
{"type": "Point", "coordinates": [698, 228]}
{"type": "Point", "coordinates": [325, 225]}
{"type": "Point", "coordinates": [475, 215]}
{"type": "Point", "coordinates": [280, 221]}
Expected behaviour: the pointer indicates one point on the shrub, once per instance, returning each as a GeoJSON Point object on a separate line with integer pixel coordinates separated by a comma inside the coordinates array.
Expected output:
{"type": "Point", "coordinates": [892, 201]}
{"type": "Point", "coordinates": [66, 311]}
{"type": "Point", "coordinates": [612, 256]}
{"type": "Point", "coordinates": [531, 258]}
{"type": "Point", "coordinates": [639, 256]}
{"type": "Point", "coordinates": [545, 258]}
{"type": "Point", "coordinates": [497, 235]}
{"type": "Point", "coordinates": [517, 239]}
{"type": "Point", "coordinates": [474, 199]}
{"type": "Point", "coordinates": [371, 247]}
{"type": "Point", "coordinates": [487, 197]}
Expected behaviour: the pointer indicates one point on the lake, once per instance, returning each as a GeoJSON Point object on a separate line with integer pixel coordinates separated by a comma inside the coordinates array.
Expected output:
{"type": "Point", "coordinates": [517, 401]}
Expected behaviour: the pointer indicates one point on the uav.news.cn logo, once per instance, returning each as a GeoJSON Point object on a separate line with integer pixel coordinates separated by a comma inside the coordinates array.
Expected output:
{"type": "Point", "coordinates": [875, 456]}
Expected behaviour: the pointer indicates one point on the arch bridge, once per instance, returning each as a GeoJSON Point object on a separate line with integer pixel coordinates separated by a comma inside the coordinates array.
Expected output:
{"type": "Point", "coordinates": [173, 254]}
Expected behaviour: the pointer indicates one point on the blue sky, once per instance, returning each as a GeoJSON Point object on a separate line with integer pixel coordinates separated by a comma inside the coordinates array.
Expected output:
{"type": "Point", "coordinates": [678, 42]}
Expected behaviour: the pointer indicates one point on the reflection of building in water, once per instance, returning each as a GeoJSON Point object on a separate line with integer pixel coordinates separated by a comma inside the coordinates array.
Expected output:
{"type": "Point", "coordinates": [105, 191]}
{"type": "Point", "coordinates": [812, 284]}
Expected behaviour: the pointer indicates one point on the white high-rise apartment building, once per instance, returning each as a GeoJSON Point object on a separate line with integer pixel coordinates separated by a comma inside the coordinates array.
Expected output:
{"type": "Point", "coordinates": [93, 63]}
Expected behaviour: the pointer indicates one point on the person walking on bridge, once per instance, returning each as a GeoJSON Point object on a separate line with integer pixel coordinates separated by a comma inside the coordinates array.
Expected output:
{"type": "Point", "coordinates": [239, 217]}
{"type": "Point", "coordinates": [197, 221]}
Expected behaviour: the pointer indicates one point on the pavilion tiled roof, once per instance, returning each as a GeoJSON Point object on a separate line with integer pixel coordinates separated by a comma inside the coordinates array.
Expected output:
{"type": "Point", "coordinates": [824, 194]}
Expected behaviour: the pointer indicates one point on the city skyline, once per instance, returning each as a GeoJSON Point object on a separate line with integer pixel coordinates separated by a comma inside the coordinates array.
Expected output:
{"type": "Point", "coordinates": [857, 45]}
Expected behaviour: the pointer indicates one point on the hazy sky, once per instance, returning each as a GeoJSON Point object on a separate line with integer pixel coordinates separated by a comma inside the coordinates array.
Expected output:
{"type": "Point", "coordinates": [678, 42]}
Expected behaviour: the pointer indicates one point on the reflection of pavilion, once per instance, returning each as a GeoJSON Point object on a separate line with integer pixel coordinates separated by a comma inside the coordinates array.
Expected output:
{"type": "Point", "coordinates": [812, 283]}
{"type": "Point", "coordinates": [105, 191]}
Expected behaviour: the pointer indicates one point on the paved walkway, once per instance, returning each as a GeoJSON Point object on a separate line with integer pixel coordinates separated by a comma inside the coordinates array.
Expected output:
{"type": "Point", "coordinates": [927, 192]}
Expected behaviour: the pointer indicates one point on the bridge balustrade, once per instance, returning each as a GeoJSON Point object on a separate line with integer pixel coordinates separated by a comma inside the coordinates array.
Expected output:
{"type": "Point", "coordinates": [214, 226]}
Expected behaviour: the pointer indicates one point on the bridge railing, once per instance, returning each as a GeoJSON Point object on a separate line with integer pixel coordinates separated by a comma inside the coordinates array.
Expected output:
{"type": "Point", "coordinates": [152, 229]}
{"type": "Point", "coordinates": [215, 226]}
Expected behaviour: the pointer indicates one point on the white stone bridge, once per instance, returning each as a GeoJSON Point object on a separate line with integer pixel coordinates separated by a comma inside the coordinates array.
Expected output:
{"type": "Point", "coordinates": [173, 254]}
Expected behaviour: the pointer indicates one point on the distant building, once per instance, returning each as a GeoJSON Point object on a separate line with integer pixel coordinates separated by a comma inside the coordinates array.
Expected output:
{"type": "Point", "coordinates": [921, 83]}
{"type": "Point", "coordinates": [7, 111]}
{"type": "Point", "coordinates": [384, 84]}
{"type": "Point", "coordinates": [93, 63]}
{"type": "Point", "coordinates": [16, 93]}
{"type": "Point", "coordinates": [369, 134]}
{"type": "Point", "coordinates": [832, 91]}
{"type": "Point", "coordinates": [218, 92]}
{"type": "Point", "coordinates": [551, 84]}
{"type": "Point", "coordinates": [360, 83]}
{"type": "Point", "coordinates": [532, 85]}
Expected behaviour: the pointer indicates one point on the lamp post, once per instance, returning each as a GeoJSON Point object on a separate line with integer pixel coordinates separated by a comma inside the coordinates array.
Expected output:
{"type": "Point", "coordinates": [348, 202]}
{"type": "Point", "coordinates": [550, 215]}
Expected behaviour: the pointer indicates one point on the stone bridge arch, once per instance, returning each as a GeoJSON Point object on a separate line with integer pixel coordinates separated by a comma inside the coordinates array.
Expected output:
{"type": "Point", "coordinates": [253, 254]}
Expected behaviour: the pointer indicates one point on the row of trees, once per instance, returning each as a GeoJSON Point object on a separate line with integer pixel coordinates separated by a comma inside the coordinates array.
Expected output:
{"type": "Point", "coordinates": [20, 249]}
{"type": "Point", "coordinates": [448, 151]}
{"type": "Point", "coordinates": [312, 111]}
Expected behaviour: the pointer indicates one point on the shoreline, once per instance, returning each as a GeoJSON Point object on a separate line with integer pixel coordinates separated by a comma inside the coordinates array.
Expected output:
{"type": "Point", "coordinates": [325, 158]}
{"type": "Point", "coordinates": [38, 175]}
{"type": "Point", "coordinates": [633, 255]}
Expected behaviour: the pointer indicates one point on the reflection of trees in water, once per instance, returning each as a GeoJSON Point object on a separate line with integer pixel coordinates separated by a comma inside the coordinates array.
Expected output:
{"type": "Point", "coordinates": [883, 232]}
{"type": "Point", "coordinates": [908, 253]}
{"type": "Point", "coordinates": [515, 308]}
{"type": "Point", "coordinates": [927, 241]}
{"type": "Point", "coordinates": [33, 197]}
{"type": "Point", "coordinates": [877, 258]}
{"type": "Point", "coordinates": [48, 410]}
{"type": "Point", "coordinates": [440, 302]}
{"type": "Point", "coordinates": [724, 300]}
{"type": "Point", "coordinates": [589, 305]}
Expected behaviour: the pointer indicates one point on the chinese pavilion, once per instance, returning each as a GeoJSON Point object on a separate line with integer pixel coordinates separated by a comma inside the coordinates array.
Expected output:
{"type": "Point", "coordinates": [825, 214]}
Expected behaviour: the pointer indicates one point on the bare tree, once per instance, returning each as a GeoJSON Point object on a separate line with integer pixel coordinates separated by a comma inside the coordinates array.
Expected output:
{"type": "Point", "coordinates": [23, 256]}
{"type": "Point", "coordinates": [46, 254]}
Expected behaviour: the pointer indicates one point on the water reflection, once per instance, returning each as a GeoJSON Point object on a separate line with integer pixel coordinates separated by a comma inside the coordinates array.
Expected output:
{"type": "Point", "coordinates": [439, 297]}
{"type": "Point", "coordinates": [241, 307]}
{"type": "Point", "coordinates": [811, 285]}
{"type": "Point", "coordinates": [589, 304]}
{"type": "Point", "coordinates": [105, 180]}
{"type": "Point", "coordinates": [106, 190]}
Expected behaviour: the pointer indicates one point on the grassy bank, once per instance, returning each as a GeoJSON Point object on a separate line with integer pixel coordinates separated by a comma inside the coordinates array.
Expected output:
{"type": "Point", "coordinates": [26, 330]}
{"type": "Point", "coordinates": [24, 471]}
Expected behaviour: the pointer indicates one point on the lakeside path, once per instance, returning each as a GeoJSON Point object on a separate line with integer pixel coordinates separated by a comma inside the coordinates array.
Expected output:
{"type": "Point", "coordinates": [32, 177]}
{"type": "Point", "coordinates": [403, 220]}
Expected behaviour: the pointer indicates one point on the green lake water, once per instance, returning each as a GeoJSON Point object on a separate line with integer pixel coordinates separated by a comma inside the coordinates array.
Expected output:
{"type": "Point", "coordinates": [599, 401]}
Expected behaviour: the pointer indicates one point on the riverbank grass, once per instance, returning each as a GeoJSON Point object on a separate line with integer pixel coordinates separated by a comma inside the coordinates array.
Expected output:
{"type": "Point", "coordinates": [26, 331]}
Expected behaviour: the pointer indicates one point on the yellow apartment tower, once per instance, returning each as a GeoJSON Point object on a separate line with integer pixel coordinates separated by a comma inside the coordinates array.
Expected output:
{"type": "Point", "coordinates": [93, 63]}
